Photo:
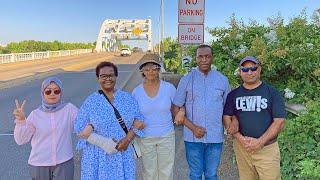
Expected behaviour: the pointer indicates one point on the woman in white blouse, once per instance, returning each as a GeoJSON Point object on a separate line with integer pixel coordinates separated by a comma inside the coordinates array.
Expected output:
{"type": "Point", "coordinates": [155, 97]}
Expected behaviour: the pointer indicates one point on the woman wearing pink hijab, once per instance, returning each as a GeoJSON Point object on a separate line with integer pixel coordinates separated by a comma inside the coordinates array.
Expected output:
{"type": "Point", "coordinates": [49, 128]}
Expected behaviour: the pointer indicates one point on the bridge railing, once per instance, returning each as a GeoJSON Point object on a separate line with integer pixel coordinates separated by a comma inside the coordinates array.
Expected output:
{"type": "Point", "coordinates": [17, 57]}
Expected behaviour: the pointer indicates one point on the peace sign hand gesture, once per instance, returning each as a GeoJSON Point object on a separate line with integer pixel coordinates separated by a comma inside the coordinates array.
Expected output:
{"type": "Point", "coordinates": [19, 111]}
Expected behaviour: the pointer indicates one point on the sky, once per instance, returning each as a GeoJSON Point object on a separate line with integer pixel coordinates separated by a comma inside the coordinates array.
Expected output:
{"type": "Point", "coordinates": [80, 20]}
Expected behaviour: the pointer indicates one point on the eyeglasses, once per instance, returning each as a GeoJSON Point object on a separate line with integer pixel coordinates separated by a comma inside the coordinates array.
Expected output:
{"type": "Point", "coordinates": [204, 57]}
{"type": "Point", "coordinates": [152, 68]}
{"type": "Point", "coordinates": [49, 91]}
{"type": "Point", "coordinates": [246, 69]}
{"type": "Point", "coordinates": [107, 76]}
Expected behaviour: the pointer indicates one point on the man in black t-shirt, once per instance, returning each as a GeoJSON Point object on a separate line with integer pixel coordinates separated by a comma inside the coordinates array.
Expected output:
{"type": "Point", "coordinates": [255, 114]}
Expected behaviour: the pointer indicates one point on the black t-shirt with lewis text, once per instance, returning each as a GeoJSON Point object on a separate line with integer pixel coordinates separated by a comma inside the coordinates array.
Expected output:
{"type": "Point", "coordinates": [255, 108]}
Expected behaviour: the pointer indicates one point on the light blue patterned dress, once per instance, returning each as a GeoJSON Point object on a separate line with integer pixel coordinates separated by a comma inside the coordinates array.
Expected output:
{"type": "Point", "coordinates": [95, 163]}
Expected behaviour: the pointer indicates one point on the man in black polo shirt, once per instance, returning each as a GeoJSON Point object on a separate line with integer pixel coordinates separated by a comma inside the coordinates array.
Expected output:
{"type": "Point", "coordinates": [257, 110]}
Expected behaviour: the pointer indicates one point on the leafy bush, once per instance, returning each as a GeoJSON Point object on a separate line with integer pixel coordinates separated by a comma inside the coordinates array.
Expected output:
{"type": "Point", "coordinates": [300, 145]}
{"type": "Point", "coordinates": [172, 56]}
{"type": "Point", "coordinates": [289, 53]}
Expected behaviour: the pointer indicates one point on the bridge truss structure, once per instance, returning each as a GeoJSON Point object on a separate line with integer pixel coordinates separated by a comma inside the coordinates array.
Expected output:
{"type": "Point", "coordinates": [113, 31]}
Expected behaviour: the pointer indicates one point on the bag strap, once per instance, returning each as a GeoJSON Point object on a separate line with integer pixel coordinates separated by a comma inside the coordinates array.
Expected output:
{"type": "Point", "coordinates": [116, 112]}
{"type": "Point", "coordinates": [119, 118]}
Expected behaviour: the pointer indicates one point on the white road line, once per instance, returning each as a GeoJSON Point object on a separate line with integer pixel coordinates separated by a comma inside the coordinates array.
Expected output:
{"type": "Point", "coordinates": [6, 134]}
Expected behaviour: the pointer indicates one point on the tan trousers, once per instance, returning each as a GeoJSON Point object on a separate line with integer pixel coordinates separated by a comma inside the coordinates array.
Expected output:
{"type": "Point", "coordinates": [158, 157]}
{"type": "Point", "coordinates": [261, 165]}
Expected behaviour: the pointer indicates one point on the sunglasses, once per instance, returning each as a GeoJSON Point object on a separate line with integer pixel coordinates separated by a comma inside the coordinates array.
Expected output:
{"type": "Point", "coordinates": [153, 68]}
{"type": "Point", "coordinates": [49, 91]}
{"type": "Point", "coordinates": [252, 68]}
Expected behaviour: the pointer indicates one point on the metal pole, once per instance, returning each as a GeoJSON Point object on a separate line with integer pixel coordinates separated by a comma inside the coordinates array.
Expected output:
{"type": "Point", "coordinates": [162, 30]}
{"type": "Point", "coordinates": [181, 55]}
{"type": "Point", "coordinates": [159, 36]}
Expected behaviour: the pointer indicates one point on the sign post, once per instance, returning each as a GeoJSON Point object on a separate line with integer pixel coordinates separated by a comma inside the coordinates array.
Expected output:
{"type": "Point", "coordinates": [190, 25]}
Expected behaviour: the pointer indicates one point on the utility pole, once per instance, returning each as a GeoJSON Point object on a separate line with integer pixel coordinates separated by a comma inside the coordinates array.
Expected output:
{"type": "Point", "coordinates": [159, 37]}
{"type": "Point", "coordinates": [162, 30]}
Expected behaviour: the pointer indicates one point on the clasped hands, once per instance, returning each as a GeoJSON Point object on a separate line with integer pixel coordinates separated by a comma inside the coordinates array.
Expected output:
{"type": "Point", "coordinates": [251, 144]}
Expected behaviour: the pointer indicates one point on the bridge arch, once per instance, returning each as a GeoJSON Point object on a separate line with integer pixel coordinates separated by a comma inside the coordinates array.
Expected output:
{"type": "Point", "coordinates": [114, 30]}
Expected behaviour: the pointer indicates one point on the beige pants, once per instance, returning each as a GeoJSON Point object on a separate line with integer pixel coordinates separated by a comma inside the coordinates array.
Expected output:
{"type": "Point", "coordinates": [158, 157]}
{"type": "Point", "coordinates": [263, 164]}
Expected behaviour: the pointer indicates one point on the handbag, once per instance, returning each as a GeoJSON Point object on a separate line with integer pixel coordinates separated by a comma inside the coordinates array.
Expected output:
{"type": "Point", "coordinates": [136, 148]}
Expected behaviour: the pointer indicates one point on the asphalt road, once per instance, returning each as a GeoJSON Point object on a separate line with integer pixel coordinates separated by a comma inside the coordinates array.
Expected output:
{"type": "Point", "coordinates": [78, 82]}
{"type": "Point", "coordinates": [77, 86]}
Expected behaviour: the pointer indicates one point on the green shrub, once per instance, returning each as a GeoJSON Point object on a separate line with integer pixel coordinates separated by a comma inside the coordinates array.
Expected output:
{"type": "Point", "coordinates": [300, 145]}
{"type": "Point", "coordinates": [289, 53]}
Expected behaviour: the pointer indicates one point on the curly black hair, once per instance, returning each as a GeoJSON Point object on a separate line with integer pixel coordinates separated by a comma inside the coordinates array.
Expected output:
{"type": "Point", "coordinates": [106, 64]}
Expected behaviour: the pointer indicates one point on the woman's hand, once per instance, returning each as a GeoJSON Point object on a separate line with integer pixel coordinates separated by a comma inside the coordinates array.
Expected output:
{"type": "Point", "coordinates": [86, 131]}
{"type": "Point", "coordinates": [19, 111]}
{"type": "Point", "coordinates": [123, 144]}
{"type": "Point", "coordinates": [138, 124]}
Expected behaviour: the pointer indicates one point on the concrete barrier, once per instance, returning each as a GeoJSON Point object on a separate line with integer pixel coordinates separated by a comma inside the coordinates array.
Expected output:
{"type": "Point", "coordinates": [295, 108]}
{"type": "Point", "coordinates": [18, 57]}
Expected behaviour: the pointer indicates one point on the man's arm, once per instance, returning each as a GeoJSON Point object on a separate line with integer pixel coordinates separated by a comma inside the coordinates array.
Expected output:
{"type": "Point", "coordinates": [240, 138]}
{"type": "Point", "coordinates": [272, 132]}
{"type": "Point", "coordinates": [231, 124]}
{"type": "Point", "coordinates": [278, 114]}
{"type": "Point", "coordinates": [179, 114]}
{"type": "Point", "coordinates": [175, 109]}
{"type": "Point", "coordinates": [198, 131]}
{"type": "Point", "coordinates": [254, 144]}
{"type": "Point", "coordinates": [227, 121]}
{"type": "Point", "coordinates": [180, 118]}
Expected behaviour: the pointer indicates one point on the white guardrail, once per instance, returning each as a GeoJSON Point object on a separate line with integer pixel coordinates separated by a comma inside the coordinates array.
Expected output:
{"type": "Point", "coordinates": [17, 57]}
